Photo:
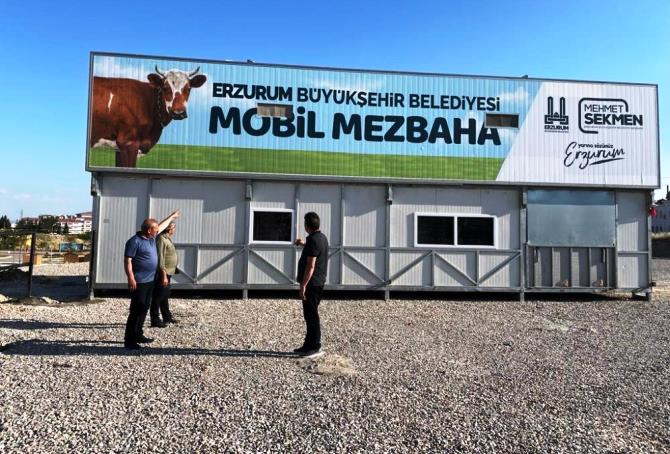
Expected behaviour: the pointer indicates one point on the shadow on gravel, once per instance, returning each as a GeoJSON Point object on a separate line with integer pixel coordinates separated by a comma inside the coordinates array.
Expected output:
{"type": "Point", "coordinates": [62, 288]}
{"type": "Point", "coordinates": [366, 295]}
{"type": "Point", "coordinates": [36, 324]}
{"type": "Point", "coordinates": [39, 347]}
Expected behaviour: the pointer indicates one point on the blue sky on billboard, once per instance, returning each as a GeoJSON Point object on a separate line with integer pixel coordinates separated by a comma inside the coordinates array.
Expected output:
{"type": "Point", "coordinates": [45, 48]}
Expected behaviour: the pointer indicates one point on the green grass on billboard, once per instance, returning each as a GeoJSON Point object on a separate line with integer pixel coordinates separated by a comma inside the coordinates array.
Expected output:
{"type": "Point", "coordinates": [179, 157]}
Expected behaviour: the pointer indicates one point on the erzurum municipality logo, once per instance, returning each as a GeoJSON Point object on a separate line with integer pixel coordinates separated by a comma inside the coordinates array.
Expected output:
{"type": "Point", "coordinates": [556, 121]}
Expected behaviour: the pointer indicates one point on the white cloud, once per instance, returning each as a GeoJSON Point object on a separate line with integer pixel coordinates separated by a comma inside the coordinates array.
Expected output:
{"type": "Point", "coordinates": [112, 67]}
{"type": "Point", "coordinates": [106, 66]}
{"type": "Point", "coordinates": [330, 85]}
{"type": "Point", "coordinates": [519, 95]}
{"type": "Point", "coordinates": [8, 195]}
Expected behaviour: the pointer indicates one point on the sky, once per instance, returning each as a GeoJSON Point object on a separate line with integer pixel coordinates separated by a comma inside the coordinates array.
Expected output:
{"type": "Point", "coordinates": [45, 47]}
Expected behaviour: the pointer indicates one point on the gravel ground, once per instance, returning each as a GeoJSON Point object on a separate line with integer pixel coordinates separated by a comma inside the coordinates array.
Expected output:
{"type": "Point", "coordinates": [582, 375]}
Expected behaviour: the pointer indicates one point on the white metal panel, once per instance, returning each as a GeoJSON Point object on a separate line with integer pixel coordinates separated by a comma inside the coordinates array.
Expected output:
{"type": "Point", "coordinates": [123, 208]}
{"type": "Point", "coordinates": [188, 196]}
{"type": "Point", "coordinates": [504, 205]}
{"type": "Point", "coordinates": [632, 271]}
{"type": "Point", "coordinates": [188, 263]}
{"type": "Point", "coordinates": [408, 200]}
{"type": "Point", "coordinates": [273, 195]}
{"type": "Point", "coordinates": [613, 154]}
{"type": "Point", "coordinates": [355, 274]}
{"type": "Point", "coordinates": [632, 221]}
{"type": "Point", "coordinates": [215, 269]}
{"type": "Point", "coordinates": [506, 276]}
{"type": "Point", "coordinates": [451, 269]}
{"type": "Point", "coordinates": [365, 215]}
{"type": "Point", "coordinates": [223, 217]}
{"type": "Point", "coordinates": [501, 203]}
{"type": "Point", "coordinates": [334, 276]}
{"type": "Point", "coordinates": [262, 273]}
{"type": "Point", "coordinates": [324, 200]}
{"type": "Point", "coordinates": [419, 274]}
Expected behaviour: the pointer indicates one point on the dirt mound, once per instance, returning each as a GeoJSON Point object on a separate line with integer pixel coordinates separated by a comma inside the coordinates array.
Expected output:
{"type": "Point", "coordinates": [333, 365]}
{"type": "Point", "coordinates": [32, 301]}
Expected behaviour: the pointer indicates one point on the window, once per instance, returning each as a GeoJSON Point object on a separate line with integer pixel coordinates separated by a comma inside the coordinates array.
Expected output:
{"type": "Point", "coordinates": [444, 230]}
{"type": "Point", "coordinates": [501, 120]}
{"type": "Point", "coordinates": [274, 110]}
{"type": "Point", "coordinates": [271, 225]}
{"type": "Point", "coordinates": [475, 231]}
{"type": "Point", "coordinates": [435, 230]}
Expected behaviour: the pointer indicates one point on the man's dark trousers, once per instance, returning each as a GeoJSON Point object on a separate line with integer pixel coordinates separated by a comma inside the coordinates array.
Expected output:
{"type": "Point", "coordinates": [140, 302]}
{"type": "Point", "coordinates": [310, 310]}
{"type": "Point", "coordinates": [160, 299]}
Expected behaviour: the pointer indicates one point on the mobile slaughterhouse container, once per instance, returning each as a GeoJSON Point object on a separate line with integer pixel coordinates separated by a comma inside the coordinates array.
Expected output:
{"type": "Point", "coordinates": [422, 181]}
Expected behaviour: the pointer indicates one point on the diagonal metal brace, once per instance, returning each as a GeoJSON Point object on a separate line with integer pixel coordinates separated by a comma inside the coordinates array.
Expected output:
{"type": "Point", "coordinates": [359, 263]}
{"type": "Point", "coordinates": [408, 267]}
{"type": "Point", "coordinates": [256, 254]}
{"type": "Point", "coordinates": [455, 268]}
{"type": "Point", "coordinates": [191, 278]}
{"type": "Point", "coordinates": [499, 266]}
{"type": "Point", "coordinates": [218, 264]}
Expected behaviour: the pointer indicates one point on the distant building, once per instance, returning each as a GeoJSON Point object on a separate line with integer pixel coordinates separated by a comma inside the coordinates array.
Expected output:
{"type": "Point", "coordinates": [661, 222]}
{"type": "Point", "coordinates": [76, 223]}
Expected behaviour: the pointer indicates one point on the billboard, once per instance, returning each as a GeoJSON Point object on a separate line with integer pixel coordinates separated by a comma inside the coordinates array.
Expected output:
{"type": "Point", "coordinates": [186, 116]}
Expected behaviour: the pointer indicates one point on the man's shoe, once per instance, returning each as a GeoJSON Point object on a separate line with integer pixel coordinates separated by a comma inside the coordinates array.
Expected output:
{"type": "Point", "coordinates": [144, 340]}
{"type": "Point", "coordinates": [301, 350]}
{"type": "Point", "coordinates": [132, 346]}
{"type": "Point", "coordinates": [312, 353]}
{"type": "Point", "coordinates": [171, 320]}
{"type": "Point", "coordinates": [157, 324]}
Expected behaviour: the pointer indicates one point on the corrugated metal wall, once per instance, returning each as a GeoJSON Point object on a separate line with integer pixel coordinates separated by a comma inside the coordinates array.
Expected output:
{"type": "Point", "coordinates": [370, 228]}
{"type": "Point", "coordinates": [632, 240]}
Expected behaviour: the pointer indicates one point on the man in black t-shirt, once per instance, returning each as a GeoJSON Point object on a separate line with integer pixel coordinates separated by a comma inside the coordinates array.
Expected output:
{"type": "Point", "coordinates": [312, 270]}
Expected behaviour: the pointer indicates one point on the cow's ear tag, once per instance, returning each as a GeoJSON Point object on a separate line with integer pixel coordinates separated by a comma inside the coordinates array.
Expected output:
{"type": "Point", "coordinates": [155, 80]}
{"type": "Point", "coordinates": [197, 81]}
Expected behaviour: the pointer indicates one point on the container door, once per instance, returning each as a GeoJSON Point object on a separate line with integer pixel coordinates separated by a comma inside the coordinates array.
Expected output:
{"type": "Point", "coordinates": [571, 239]}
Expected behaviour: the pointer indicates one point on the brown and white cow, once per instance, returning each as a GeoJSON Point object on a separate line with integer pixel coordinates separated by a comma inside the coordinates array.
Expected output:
{"type": "Point", "coordinates": [130, 115]}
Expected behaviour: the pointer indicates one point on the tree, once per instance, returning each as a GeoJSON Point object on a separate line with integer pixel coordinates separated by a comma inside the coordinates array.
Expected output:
{"type": "Point", "coordinates": [5, 223]}
{"type": "Point", "coordinates": [24, 224]}
{"type": "Point", "coordinates": [66, 229]}
{"type": "Point", "coordinates": [48, 223]}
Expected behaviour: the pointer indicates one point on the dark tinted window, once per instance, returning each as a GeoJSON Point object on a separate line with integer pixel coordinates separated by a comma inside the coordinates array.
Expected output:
{"type": "Point", "coordinates": [274, 110]}
{"type": "Point", "coordinates": [272, 226]}
{"type": "Point", "coordinates": [475, 231]}
{"type": "Point", "coordinates": [435, 230]}
{"type": "Point", "coordinates": [501, 121]}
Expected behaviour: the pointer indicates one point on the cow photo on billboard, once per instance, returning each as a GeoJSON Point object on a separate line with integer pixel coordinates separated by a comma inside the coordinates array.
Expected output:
{"type": "Point", "coordinates": [129, 115]}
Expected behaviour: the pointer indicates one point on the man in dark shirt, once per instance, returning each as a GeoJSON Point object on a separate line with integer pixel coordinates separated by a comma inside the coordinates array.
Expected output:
{"type": "Point", "coordinates": [140, 264]}
{"type": "Point", "coordinates": [312, 270]}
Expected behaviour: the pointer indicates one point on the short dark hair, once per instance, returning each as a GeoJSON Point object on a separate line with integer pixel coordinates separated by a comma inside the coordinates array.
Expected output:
{"type": "Point", "coordinates": [312, 220]}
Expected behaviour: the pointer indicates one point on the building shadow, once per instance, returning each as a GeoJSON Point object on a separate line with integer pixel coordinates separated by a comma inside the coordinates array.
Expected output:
{"type": "Point", "coordinates": [37, 324]}
{"type": "Point", "coordinates": [40, 347]}
{"type": "Point", "coordinates": [61, 288]}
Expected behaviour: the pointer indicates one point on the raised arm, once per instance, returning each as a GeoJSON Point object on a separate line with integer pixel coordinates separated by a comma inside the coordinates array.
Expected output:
{"type": "Point", "coordinates": [165, 222]}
